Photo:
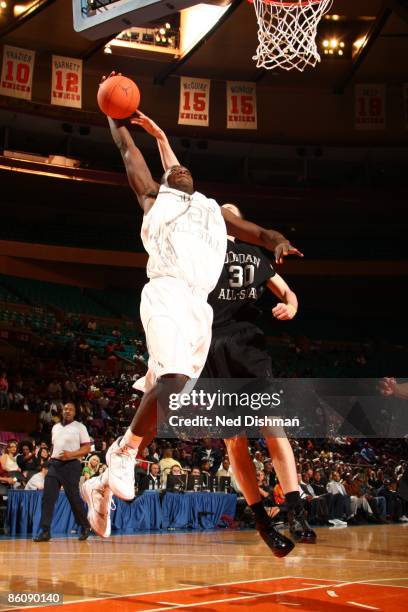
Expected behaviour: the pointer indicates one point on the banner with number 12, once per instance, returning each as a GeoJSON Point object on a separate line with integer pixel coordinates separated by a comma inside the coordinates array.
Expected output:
{"type": "Point", "coordinates": [17, 72]}
{"type": "Point", "coordinates": [66, 87]}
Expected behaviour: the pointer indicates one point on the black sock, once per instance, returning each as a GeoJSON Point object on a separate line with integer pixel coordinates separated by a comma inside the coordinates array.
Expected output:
{"type": "Point", "coordinates": [260, 513]}
{"type": "Point", "coordinates": [293, 500]}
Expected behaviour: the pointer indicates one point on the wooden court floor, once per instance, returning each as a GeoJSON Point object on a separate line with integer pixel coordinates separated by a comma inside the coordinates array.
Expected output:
{"type": "Point", "coordinates": [354, 568]}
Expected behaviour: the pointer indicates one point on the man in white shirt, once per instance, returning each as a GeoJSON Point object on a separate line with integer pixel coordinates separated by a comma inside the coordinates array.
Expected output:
{"type": "Point", "coordinates": [70, 441]}
{"type": "Point", "coordinates": [36, 482]}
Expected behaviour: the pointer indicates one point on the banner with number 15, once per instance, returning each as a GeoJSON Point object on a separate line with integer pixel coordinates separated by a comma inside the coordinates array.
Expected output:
{"type": "Point", "coordinates": [66, 87]}
{"type": "Point", "coordinates": [241, 105]}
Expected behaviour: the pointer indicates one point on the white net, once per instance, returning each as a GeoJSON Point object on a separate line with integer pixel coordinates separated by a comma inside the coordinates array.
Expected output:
{"type": "Point", "coordinates": [287, 33]}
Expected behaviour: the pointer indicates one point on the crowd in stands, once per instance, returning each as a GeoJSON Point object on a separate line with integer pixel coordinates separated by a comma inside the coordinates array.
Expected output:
{"type": "Point", "coordinates": [95, 364]}
{"type": "Point", "coordinates": [342, 481]}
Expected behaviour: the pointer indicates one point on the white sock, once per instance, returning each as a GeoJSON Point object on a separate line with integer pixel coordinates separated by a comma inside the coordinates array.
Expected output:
{"type": "Point", "coordinates": [129, 439]}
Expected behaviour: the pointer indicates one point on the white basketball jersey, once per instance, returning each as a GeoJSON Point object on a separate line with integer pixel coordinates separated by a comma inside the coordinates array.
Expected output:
{"type": "Point", "coordinates": [185, 237]}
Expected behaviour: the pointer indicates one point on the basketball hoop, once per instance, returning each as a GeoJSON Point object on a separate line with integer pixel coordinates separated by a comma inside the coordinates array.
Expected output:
{"type": "Point", "coordinates": [287, 33]}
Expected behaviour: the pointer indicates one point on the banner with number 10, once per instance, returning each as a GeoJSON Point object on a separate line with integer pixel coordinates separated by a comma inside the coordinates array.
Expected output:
{"type": "Point", "coordinates": [66, 87]}
{"type": "Point", "coordinates": [17, 72]}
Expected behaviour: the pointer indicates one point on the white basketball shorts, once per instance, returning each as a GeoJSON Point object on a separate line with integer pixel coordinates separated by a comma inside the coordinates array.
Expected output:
{"type": "Point", "coordinates": [177, 321]}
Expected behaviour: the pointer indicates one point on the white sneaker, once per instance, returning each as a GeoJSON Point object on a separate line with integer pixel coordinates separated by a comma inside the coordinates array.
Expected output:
{"type": "Point", "coordinates": [404, 518]}
{"type": "Point", "coordinates": [340, 522]}
{"type": "Point", "coordinates": [121, 463]}
{"type": "Point", "coordinates": [98, 497]}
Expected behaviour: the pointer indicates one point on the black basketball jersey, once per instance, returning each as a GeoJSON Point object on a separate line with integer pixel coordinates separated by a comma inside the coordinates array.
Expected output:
{"type": "Point", "coordinates": [242, 282]}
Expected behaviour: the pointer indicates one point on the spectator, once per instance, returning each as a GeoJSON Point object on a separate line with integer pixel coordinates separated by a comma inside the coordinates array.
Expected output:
{"type": "Point", "coordinates": [266, 495]}
{"type": "Point", "coordinates": [54, 390]}
{"type": "Point", "coordinates": [26, 460]}
{"type": "Point", "coordinates": [36, 482]}
{"type": "Point", "coordinates": [278, 494]}
{"type": "Point", "coordinates": [316, 505]}
{"type": "Point", "coordinates": [166, 463]}
{"type": "Point", "coordinates": [393, 501]}
{"type": "Point", "coordinates": [211, 454]}
{"type": "Point", "coordinates": [46, 415]}
{"type": "Point", "coordinates": [43, 456]}
{"type": "Point", "coordinates": [92, 468]}
{"type": "Point", "coordinates": [357, 498]}
{"type": "Point", "coordinates": [258, 461]}
{"type": "Point", "coordinates": [225, 469]}
{"type": "Point", "coordinates": [8, 461]}
{"type": "Point", "coordinates": [153, 452]}
{"type": "Point", "coordinates": [4, 388]}
{"type": "Point", "coordinates": [92, 326]}
{"type": "Point", "coordinates": [151, 480]}
{"type": "Point", "coordinates": [184, 458]}
{"type": "Point", "coordinates": [339, 501]}
{"type": "Point", "coordinates": [270, 475]}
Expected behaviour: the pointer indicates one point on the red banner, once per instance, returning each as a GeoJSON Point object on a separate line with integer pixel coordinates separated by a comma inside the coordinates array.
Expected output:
{"type": "Point", "coordinates": [241, 106]}
{"type": "Point", "coordinates": [66, 82]}
{"type": "Point", "coordinates": [194, 107]}
{"type": "Point", "coordinates": [370, 107]}
{"type": "Point", "coordinates": [17, 72]}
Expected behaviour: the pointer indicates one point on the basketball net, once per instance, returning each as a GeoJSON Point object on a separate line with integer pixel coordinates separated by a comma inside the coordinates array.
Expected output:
{"type": "Point", "coordinates": [287, 33]}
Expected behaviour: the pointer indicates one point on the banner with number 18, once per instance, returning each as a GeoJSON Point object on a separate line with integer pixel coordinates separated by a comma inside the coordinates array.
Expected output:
{"type": "Point", "coordinates": [66, 87]}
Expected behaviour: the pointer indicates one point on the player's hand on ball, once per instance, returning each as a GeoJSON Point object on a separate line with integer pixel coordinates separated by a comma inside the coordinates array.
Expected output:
{"type": "Point", "coordinates": [112, 74]}
{"type": "Point", "coordinates": [283, 250]}
{"type": "Point", "coordinates": [284, 312]}
{"type": "Point", "coordinates": [387, 386]}
{"type": "Point", "coordinates": [147, 124]}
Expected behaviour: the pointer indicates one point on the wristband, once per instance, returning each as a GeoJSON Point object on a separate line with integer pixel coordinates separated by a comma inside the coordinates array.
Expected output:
{"type": "Point", "coordinates": [292, 309]}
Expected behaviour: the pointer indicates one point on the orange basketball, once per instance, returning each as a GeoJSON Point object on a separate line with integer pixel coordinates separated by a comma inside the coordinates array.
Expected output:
{"type": "Point", "coordinates": [118, 97]}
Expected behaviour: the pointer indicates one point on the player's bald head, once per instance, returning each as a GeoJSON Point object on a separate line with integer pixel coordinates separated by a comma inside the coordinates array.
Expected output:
{"type": "Point", "coordinates": [234, 209]}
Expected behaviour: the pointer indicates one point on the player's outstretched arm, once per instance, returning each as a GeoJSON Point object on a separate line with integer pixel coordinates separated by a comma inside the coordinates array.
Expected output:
{"type": "Point", "coordinates": [255, 234]}
{"type": "Point", "coordinates": [389, 386]}
{"type": "Point", "coordinates": [167, 154]}
{"type": "Point", "coordinates": [139, 175]}
{"type": "Point", "coordinates": [287, 308]}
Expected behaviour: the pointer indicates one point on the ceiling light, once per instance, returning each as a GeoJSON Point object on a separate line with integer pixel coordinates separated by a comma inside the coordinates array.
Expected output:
{"type": "Point", "coordinates": [360, 42]}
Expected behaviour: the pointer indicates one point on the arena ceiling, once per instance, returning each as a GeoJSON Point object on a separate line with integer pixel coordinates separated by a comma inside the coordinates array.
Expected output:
{"type": "Point", "coordinates": [227, 51]}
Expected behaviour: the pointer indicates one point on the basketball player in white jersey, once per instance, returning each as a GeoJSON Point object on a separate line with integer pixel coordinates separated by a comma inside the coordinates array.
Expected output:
{"type": "Point", "coordinates": [185, 235]}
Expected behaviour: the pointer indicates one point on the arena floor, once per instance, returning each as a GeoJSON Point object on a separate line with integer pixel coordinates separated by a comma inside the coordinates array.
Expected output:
{"type": "Point", "coordinates": [350, 568]}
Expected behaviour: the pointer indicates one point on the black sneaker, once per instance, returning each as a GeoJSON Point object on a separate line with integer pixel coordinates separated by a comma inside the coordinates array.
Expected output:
{"type": "Point", "coordinates": [44, 536]}
{"type": "Point", "coordinates": [279, 544]}
{"type": "Point", "coordinates": [85, 533]}
{"type": "Point", "coordinates": [299, 528]}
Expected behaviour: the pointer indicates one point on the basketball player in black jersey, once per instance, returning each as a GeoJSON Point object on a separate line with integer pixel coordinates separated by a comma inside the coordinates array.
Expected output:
{"type": "Point", "coordinates": [238, 351]}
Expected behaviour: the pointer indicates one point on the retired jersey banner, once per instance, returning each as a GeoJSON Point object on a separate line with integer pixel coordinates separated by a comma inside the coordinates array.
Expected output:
{"type": "Point", "coordinates": [241, 106]}
{"type": "Point", "coordinates": [370, 107]}
{"type": "Point", "coordinates": [17, 72]}
{"type": "Point", "coordinates": [194, 108]}
{"type": "Point", "coordinates": [66, 82]}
